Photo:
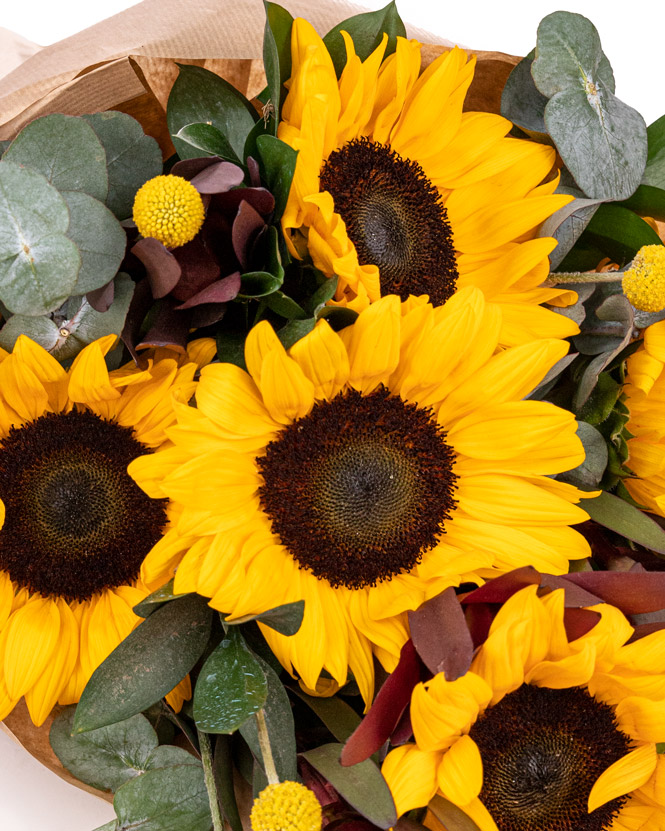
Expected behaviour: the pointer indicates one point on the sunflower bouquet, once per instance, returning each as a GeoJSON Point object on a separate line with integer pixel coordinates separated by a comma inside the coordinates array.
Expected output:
{"type": "Point", "coordinates": [332, 457]}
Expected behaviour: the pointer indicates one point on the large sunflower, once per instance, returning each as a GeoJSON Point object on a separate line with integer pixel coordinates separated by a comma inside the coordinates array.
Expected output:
{"type": "Point", "coordinates": [74, 525]}
{"type": "Point", "coordinates": [543, 733]}
{"type": "Point", "coordinates": [364, 472]}
{"type": "Point", "coordinates": [397, 191]}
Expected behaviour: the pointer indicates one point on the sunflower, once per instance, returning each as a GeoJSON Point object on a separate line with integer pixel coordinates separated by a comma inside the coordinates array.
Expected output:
{"type": "Point", "coordinates": [364, 472]}
{"type": "Point", "coordinates": [74, 525]}
{"type": "Point", "coordinates": [396, 190]}
{"type": "Point", "coordinates": [543, 733]}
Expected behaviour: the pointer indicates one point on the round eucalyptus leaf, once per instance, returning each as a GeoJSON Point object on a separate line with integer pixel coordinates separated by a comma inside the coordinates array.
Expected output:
{"type": "Point", "coordinates": [66, 150]}
{"type": "Point", "coordinates": [39, 265]}
{"type": "Point", "coordinates": [40, 329]}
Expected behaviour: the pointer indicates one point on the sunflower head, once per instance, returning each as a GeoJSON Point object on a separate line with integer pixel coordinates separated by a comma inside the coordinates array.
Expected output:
{"type": "Point", "coordinates": [542, 733]}
{"type": "Point", "coordinates": [644, 282]}
{"type": "Point", "coordinates": [286, 806]}
{"type": "Point", "coordinates": [169, 209]}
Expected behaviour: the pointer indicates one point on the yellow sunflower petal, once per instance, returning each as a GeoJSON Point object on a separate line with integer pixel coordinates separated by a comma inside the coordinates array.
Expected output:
{"type": "Point", "coordinates": [32, 636]}
{"type": "Point", "coordinates": [460, 774]}
{"type": "Point", "coordinates": [323, 359]}
{"type": "Point", "coordinates": [411, 776]}
{"type": "Point", "coordinates": [626, 775]}
{"type": "Point", "coordinates": [641, 718]}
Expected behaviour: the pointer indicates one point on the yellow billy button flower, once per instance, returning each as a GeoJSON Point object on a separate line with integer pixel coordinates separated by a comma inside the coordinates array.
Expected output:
{"type": "Point", "coordinates": [644, 282]}
{"type": "Point", "coordinates": [543, 733]}
{"type": "Point", "coordinates": [169, 209]}
{"type": "Point", "coordinates": [286, 806]}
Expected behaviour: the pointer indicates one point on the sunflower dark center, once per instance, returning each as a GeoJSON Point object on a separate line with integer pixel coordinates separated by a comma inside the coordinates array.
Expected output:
{"type": "Point", "coordinates": [75, 523]}
{"type": "Point", "coordinates": [542, 752]}
{"type": "Point", "coordinates": [359, 489]}
{"type": "Point", "coordinates": [394, 217]}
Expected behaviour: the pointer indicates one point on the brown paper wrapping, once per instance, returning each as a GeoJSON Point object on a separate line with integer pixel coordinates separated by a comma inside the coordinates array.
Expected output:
{"type": "Point", "coordinates": [128, 63]}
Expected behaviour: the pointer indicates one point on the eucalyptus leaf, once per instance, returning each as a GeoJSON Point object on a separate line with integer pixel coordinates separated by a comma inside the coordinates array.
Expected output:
{"type": "Point", "coordinates": [279, 163]}
{"type": "Point", "coordinates": [99, 237]}
{"type": "Point", "coordinates": [281, 729]}
{"type": "Point", "coordinates": [40, 329]}
{"type": "Point", "coordinates": [65, 149]}
{"type": "Point", "coordinates": [210, 140]}
{"type": "Point", "coordinates": [521, 102]}
{"type": "Point", "coordinates": [147, 665]}
{"type": "Point", "coordinates": [231, 686]}
{"type": "Point", "coordinates": [566, 226]}
{"type": "Point", "coordinates": [654, 172]}
{"type": "Point", "coordinates": [200, 96]}
{"type": "Point", "coordinates": [277, 54]}
{"type": "Point", "coordinates": [285, 619]}
{"type": "Point", "coordinates": [108, 826]}
{"type": "Point", "coordinates": [588, 475]}
{"type": "Point", "coordinates": [166, 799]}
{"type": "Point", "coordinates": [366, 31]}
{"type": "Point", "coordinates": [39, 265]}
{"type": "Point", "coordinates": [166, 756]}
{"type": "Point", "coordinates": [361, 785]}
{"type": "Point", "coordinates": [132, 158]}
{"type": "Point", "coordinates": [627, 520]}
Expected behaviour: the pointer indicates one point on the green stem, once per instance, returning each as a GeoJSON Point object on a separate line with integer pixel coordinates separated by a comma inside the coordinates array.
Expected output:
{"type": "Point", "coordinates": [266, 750]}
{"type": "Point", "coordinates": [209, 777]}
{"type": "Point", "coordinates": [556, 278]}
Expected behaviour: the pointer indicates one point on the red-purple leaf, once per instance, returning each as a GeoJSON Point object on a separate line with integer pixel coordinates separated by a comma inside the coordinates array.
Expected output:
{"type": "Point", "coordinates": [138, 308]}
{"type": "Point", "coordinates": [479, 617]}
{"type": "Point", "coordinates": [189, 168]}
{"type": "Point", "coordinates": [386, 711]}
{"type": "Point", "coordinates": [100, 299]}
{"type": "Point", "coordinates": [578, 622]}
{"type": "Point", "coordinates": [633, 592]}
{"type": "Point", "coordinates": [218, 178]}
{"type": "Point", "coordinates": [644, 629]}
{"type": "Point", "coordinates": [259, 198]}
{"type": "Point", "coordinates": [170, 328]}
{"type": "Point", "coordinates": [441, 636]}
{"type": "Point", "coordinates": [199, 269]}
{"type": "Point", "coordinates": [219, 292]}
{"type": "Point", "coordinates": [161, 266]}
{"type": "Point", "coordinates": [254, 172]}
{"type": "Point", "coordinates": [246, 226]}
{"type": "Point", "coordinates": [574, 595]}
{"type": "Point", "coordinates": [505, 586]}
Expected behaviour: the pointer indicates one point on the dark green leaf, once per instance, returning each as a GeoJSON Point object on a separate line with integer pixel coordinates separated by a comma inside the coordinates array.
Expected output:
{"type": "Point", "coordinates": [167, 756]}
{"type": "Point", "coordinates": [588, 475]}
{"type": "Point", "coordinates": [200, 96]}
{"type": "Point", "coordinates": [38, 263]}
{"type": "Point", "coordinates": [521, 102]}
{"type": "Point", "coordinates": [279, 164]}
{"type": "Point", "coordinates": [289, 334]}
{"type": "Point", "coordinates": [258, 284]}
{"type": "Point", "coordinates": [105, 758]}
{"type": "Point", "coordinates": [223, 772]}
{"type": "Point", "coordinates": [654, 173]}
{"type": "Point", "coordinates": [285, 619]}
{"type": "Point", "coordinates": [166, 799]}
{"type": "Point", "coordinates": [281, 729]}
{"type": "Point", "coordinates": [627, 520]}
{"type": "Point", "coordinates": [66, 150]}
{"type": "Point", "coordinates": [366, 31]}
{"type": "Point", "coordinates": [164, 594]}
{"type": "Point", "coordinates": [284, 306]}
{"type": "Point", "coordinates": [131, 158]}
{"type": "Point", "coordinates": [647, 201]}
{"type": "Point", "coordinates": [258, 130]}
{"type": "Point", "coordinates": [339, 317]}
{"type": "Point", "coordinates": [147, 664]}
{"type": "Point", "coordinates": [277, 54]}
{"type": "Point", "coordinates": [231, 686]}
{"type": "Point", "coordinates": [210, 140]}
{"type": "Point", "coordinates": [619, 232]}
{"type": "Point", "coordinates": [99, 237]}
{"type": "Point", "coordinates": [324, 293]}
{"type": "Point", "coordinates": [231, 347]}
{"type": "Point", "coordinates": [337, 715]}
{"type": "Point", "coordinates": [361, 785]}
{"type": "Point", "coordinates": [452, 817]}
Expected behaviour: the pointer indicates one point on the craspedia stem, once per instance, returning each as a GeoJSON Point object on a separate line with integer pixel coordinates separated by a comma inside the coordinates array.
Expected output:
{"type": "Point", "coordinates": [557, 279]}
{"type": "Point", "coordinates": [209, 778]}
{"type": "Point", "coordinates": [266, 750]}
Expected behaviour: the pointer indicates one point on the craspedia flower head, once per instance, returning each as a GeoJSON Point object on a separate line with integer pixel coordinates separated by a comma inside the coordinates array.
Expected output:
{"type": "Point", "coordinates": [547, 731]}
{"type": "Point", "coordinates": [644, 282]}
{"type": "Point", "coordinates": [286, 806]}
{"type": "Point", "coordinates": [169, 209]}
{"type": "Point", "coordinates": [364, 472]}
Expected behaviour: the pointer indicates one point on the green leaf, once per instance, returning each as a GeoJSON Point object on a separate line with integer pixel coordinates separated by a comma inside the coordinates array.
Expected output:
{"type": "Point", "coordinates": [588, 475]}
{"type": "Point", "coordinates": [258, 284]}
{"type": "Point", "coordinates": [65, 149]}
{"type": "Point", "coordinates": [627, 520]}
{"type": "Point", "coordinates": [619, 232]}
{"type": "Point", "coordinates": [521, 102]}
{"type": "Point", "coordinates": [366, 31]}
{"type": "Point", "coordinates": [279, 163]}
{"type": "Point", "coordinates": [281, 729]}
{"type": "Point", "coordinates": [231, 347]}
{"type": "Point", "coordinates": [654, 172]}
{"type": "Point", "coordinates": [285, 619]}
{"type": "Point", "coordinates": [337, 715]}
{"type": "Point", "coordinates": [284, 306]}
{"type": "Point", "coordinates": [277, 54]}
{"type": "Point", "coordinates": [361, 785]}
{"type": "Point", "coordinates": [338, 317]}
{"type": "Point", "coordinates": [166, 799]}
{"type": "Point", "coordinates": [164, 594]}
{"type": "Point", "coordinates": [40, 329]}
{"type": "Point", "coordinates": [200, 96]}
{"type": "Point", "coordinates": [99, 237]}
{"type": "Point", "coordinates": [38, 263]}
{"type": "Point", "coordinates": [452, 817]}
{"type": "Point", "coordinates": [209, 139]}
{"type": "Point", "coordinates": [109, 826]}
{"type": "Point", "coordinates": [147, 664]}
{"type": "Point", "coordinates": [105, 758]}
{"type": "Point", "coordinates": [647, 201]}
{"type": "Point", "coordinates": [223, 768]}
{"type": "Point", "coordinates": [291, 333]}
{"type": "Point", "coordinates": [324, 293]}
{"type": "Point", "coordinates": [132, 158]}
{"type": "Point", "coordinates": [167, 756]}
{"type": "Point", "coordinates": [231, 686]}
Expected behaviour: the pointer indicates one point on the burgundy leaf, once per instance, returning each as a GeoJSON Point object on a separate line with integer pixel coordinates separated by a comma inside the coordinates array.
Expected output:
{"type": "Point", "coordinates": [259, 198]}
{"type": "Point", "coordinates": [139, 306]}
{"type": "Point", "coordinates": [323, 790]}
{"type": "Point", "coordinates": [246, 226]}
{"type": "Point", "coordinates": [633, 592]}
{"type": "Point", "coordinates": [218, 178]}
{"type": "Point", "coordinates": [386, 711]}
{"type": "Point", "coordinates": [170, 328]}
{"type": "Point", "coordinates": [574, 595]}
{"type": "Point", "coordinates": [355, 824]}
{"type": "Point", "coordinates": [505, 586]}
{"type": "Point", "coordinates": [441, 636]}
{"type": "Point", "coordinates": [207, 314]}
{"type": "Point", "coordinates": [644, 629]}
{"type": "Point", "coordinates": [199, 269]}
{"type": "Point", "coordinates": [160, 264]}
{"type": "Point", "coordinates": [479, 617]}
{"type": "Point", "coordinates": [189, 168]}
{"type": "Point", "coordinates": [577, 622]}
{"type": "Point", "coordinates": [404, 730]}
{"type": "Point", "coordinates": [101, 299]}
{"type": "Point", "coordinates": [219, 292]}
{"type": "Point", "coordinates": [254, 173]}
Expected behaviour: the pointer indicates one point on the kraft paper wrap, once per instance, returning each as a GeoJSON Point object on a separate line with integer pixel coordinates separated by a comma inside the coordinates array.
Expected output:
{"type": "Point", "coordinates": [128, 63]}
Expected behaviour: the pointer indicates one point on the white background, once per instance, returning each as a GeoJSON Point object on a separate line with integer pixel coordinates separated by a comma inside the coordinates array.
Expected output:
{"type": "Point", "coordinates": [32, 798]}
